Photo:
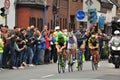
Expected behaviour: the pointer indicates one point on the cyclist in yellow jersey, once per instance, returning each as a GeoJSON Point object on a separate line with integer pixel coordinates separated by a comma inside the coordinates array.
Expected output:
{"type": "Point", "coordinates": [94, 48]}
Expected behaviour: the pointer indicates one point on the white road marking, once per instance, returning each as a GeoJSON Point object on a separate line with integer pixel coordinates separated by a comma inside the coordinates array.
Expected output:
{"type": "Point", "coordinates": [68, 79]}
{"type": "Point", "coordinates": [111, 65]}
{"type": "Point", "coordinates": [48, 76]}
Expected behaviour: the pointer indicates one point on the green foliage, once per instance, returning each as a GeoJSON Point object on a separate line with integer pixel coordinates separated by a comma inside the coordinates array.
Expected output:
{"type": "Point", "coordinates": [105, 50]}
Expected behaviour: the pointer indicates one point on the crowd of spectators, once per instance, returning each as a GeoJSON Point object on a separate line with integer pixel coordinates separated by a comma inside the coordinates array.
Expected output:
{"type": "Point", "coordinates": [20, 47]}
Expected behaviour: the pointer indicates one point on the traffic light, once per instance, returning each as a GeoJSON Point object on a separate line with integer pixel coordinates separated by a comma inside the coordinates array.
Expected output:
{"type": "Point", "coordinates": [92, 15]}
{"type": "Point", "coordinates": [2, 11]}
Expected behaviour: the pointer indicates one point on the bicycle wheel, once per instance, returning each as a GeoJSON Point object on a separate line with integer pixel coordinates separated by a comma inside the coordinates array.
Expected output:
{"type": "Point", "coordinates": [69, 66]}
{"type": "Point", "coordinates": [59, 65]}
{"type": "Point", "coordinates": [94, 64]}
{"type": "Point", "coordinates": [59, 68]}
{"type": "Point", "coordinates": [92, 61]}
{"type": "Point", "coordinates": [70, 63]}
{"type": "Point", "coordinates": [63, 63]}
{"type": "Point", "coordinates": [80, 63]}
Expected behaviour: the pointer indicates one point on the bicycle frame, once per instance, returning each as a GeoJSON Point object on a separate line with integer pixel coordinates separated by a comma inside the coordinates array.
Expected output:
{"type": "Point", "coordinates": [79, 60]}
{"type": "Point", "coordinates": [70, 61]}
{"type": "Point", "coordinates": [61, 63]}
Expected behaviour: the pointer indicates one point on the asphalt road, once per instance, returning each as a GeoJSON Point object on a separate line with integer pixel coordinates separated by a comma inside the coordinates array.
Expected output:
{"type": "Point", "coordinates": [106, 71]}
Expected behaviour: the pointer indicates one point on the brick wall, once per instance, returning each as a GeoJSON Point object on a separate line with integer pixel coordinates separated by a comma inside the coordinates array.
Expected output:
{"type": "Point", "coordinates": [22, 17]}
{"type": "Point", "coordinates": [74, 6]}
{"type": "Point", "coordinates": [50, 15]}
{"type": "Point", "coordinates": [63, 13]}
{"type": "Point", "coordinates": [24, 14]}
{"type": "Point", "coordinates": [66, 9]}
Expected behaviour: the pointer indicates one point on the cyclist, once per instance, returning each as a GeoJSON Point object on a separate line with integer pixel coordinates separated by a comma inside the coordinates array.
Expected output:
{"type": "Point", "coordinates": [94, 48]}
{"type": "Point", "coordinates": [60, 42]}
{"type": "Point", "coordinates": [80, 44]}
{"type": "Point", "coordinates": [72, 44]}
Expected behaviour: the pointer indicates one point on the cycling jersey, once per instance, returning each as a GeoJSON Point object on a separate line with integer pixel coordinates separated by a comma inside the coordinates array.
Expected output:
{"type": "Point", "coordinates": [93, 44]}
{"type": "Point", "coordinates": [71, 41]}
{"type": "Point", "coordinates": [61, 41]}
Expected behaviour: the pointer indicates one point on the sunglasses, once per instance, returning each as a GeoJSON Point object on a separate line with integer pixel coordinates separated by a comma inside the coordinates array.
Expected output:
{"type": "Point", "coordinates": [59, 38]}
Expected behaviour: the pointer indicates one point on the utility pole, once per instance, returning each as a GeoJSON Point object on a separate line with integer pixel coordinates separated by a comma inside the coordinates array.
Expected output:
{"type": "Point", "coordinates": [45, 3]}
{"type": "Point", "coordinates": [88, 23]}
{"type": "Point", "coordinates": [57, 15]}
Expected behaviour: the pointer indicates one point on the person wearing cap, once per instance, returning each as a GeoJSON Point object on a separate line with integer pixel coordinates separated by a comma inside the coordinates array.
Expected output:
{"type": "Point", "coordinates": [94, 48]}
{"type": "Point", "coordinates": [57, 29]}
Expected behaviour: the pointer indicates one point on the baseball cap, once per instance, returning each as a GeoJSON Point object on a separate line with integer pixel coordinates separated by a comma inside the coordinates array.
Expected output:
{"type": "Point", "coordinates": [57, 27]}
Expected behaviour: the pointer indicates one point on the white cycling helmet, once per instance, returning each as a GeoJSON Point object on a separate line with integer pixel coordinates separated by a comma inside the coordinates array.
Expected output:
{"type": "Point", "coordinates": [116, 32]}
{"type": "Point", "coordinates": [70, 34]}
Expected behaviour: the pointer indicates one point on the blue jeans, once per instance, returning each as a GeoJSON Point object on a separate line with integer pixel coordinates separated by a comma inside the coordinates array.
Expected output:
{"type": "Point", "coordinates": [25, 55]}
{"type": "Point", "coordinates": [13, 56]}
{"type": "Point", "coordinates": [101, 53]}
{"type": "Point", "coordinates": [6, 55]}
{"type": "Point", "coordinates": [19, 59]}
{"type": "Point", "coordinates": [38, 56]}
{"type": "Point", "coordinates": [0, 60]}
{"type": "Point", "coordinates": [34, 51]}
{"type": "Point", "coordinates": [42, 52]}
{"type": "Point", "coordinates": [30, 55]}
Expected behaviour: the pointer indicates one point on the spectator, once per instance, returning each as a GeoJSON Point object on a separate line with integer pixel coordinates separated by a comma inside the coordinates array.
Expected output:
{"type": "Point", "coordinates": [1, 51]}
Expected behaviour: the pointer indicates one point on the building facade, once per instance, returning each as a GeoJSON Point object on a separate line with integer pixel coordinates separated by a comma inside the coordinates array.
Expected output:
{"type": "Point", "coordinates": [73, 7]}
{"type": "Point", "coordinates": [29, 12]}
{"type": "Point", "coordinates": [23, 13]}
{"type": "Point", "coordinates": [10, 19]}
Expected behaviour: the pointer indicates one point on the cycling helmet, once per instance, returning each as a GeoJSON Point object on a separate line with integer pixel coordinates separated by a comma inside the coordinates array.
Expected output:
{"type": "Point", "coordinates": [70, 34]}
{"type": "Point", "coordinates": [60, 34]}
{"type": "Point", "coordinates": [116, 32]}
{"type": "Point", "coordinates": [78, 34]}
{"type": "Point", "coordinates": [92, 36]}
{"type": "Point", "coordinates": [118, 20]}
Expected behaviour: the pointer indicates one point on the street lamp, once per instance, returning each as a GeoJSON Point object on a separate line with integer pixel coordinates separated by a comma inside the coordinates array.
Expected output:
{"type": "Point", "coordinates": [45, 4]}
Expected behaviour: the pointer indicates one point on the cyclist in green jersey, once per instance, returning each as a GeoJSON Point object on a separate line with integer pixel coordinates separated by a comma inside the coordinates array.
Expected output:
{"type": "Point", "coordinates": [60, 42]}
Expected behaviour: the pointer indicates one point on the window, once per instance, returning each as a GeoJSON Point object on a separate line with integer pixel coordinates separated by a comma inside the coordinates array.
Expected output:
{"type": "Point", "coordinates": [65, 23]}
{"type": "Point", "coordinates": [72, 17]}
{"type": "Point", "coordinates": [48, 26]}
{"type": "Point", "coordinates": [41, 24]}
{"type": "Point", "coordinates": [32, 0]}
{"type": "Point", "coordinates": [32, 21]}
{"type": "Point", "coordinates": [74, 0]}
{"type": "Point", "coordinates": [38, 23]}
{"type": "Point", "coordinates": [60, 22]}
{"type": "Point", "coordinates": [51, 24]}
